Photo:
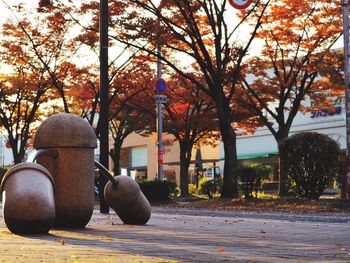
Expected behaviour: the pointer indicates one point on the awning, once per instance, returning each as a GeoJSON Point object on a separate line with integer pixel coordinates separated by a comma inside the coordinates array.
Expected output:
{"type": "Point", "coordinates": [239, 157]}
{"type": "Point", "coordinates": [254, 156]}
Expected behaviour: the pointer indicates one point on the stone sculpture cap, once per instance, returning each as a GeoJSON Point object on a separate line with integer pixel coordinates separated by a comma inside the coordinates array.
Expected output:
{"type": "Point", "coordinates": [65, 130]}
{"type": "Point", "coordinates": [28, 167]}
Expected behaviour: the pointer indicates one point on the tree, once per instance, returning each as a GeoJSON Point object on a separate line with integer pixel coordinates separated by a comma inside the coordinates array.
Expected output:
{"type": "Point", "coordinates": [42, 44]}
{"type": "Point", "coordinates": [199, 32]}
{"type": "Point", "coordinates": [190, 117]}
{"type": "Point", "coordinates": [21, 95]}
{"type": "Point", "coordinates": [298, 37]}
{"type": "Point", "coordinates": [131, 106]}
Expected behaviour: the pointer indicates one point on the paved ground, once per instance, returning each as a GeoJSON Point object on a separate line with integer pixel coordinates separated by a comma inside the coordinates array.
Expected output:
{"type": "Point", "coordinates": [178, 235]}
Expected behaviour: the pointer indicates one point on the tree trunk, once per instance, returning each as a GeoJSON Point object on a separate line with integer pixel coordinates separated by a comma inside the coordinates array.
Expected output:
{"type": "Point", "coordinates": [228, 136]}
{"type": "Point", "coordinates": [17, 156]}
{"type": "Point", "coordinates": [185, 159]}
{"type": "Point", "coordinates": [282, 185]}
{"type": "Point", "coordinates": [115, 155]}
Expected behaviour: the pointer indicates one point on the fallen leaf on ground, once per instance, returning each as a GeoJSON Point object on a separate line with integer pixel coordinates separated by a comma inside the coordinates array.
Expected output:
{"type": "Point", "coordinates": [108, 238]}
{"type": "Point", "coordinates": [221, 249]}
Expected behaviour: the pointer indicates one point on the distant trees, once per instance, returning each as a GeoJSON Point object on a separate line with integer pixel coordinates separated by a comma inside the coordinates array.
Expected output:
{"type": "Point", "coordinates": [21, 95]}
{"type": "Point", "coordinates": [131, 106]}
{"type": "Point", "coordinates": [42, 44]}
{"type": "Point", "coordinates": [297, 40]}
{"type": "Point", "coordinates": [201, 59]}
{"type": "Point", "coordinates": [197, 30]}
{"type": "Point", "coordinates": [190, 117]}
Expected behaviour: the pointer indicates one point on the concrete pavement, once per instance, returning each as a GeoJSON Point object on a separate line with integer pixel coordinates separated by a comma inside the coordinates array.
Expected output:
{"type": "Point", "coordinates": [178, 235]}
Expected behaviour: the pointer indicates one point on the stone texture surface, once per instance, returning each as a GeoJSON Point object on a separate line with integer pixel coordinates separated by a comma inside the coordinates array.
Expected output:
{"type": "Point", "coordinates": [127, 200]}
{"type": "Point", "coordinates": [28, 195]}
{"type": "Point", "coordinates": [73, 169]}
{"type": "Point", "coordinates": [187, 236]}
{"type": "Point", "coordinates": [65, 130]}
{"type": "Point", "coordinates": [73, 173]}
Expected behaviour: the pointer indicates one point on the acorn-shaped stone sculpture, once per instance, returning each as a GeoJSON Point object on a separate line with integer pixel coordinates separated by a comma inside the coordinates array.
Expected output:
{"type": "Point", "coordinates": [74, 140]}
{"type": "Point", "coordinates": [28, 199]}
{"type": "Point", "coordinates": [125, 197]}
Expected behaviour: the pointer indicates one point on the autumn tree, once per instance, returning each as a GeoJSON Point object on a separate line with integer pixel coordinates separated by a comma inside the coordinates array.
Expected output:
{"type": "Point", "coordinates": [131, 107]}
{"type": "Point", "coordinates": [21, 95]}
{"type": "Point", "coordinates": [41, 39]}
{"type": "Point", "coordinates": [297, 39]}
{"type": "Point", "coordinates": [198, 32]}
{"type": "Point", "coordinates": [190, 118]}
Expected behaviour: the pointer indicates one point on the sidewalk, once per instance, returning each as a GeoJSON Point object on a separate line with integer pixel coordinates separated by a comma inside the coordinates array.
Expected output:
{"type": "Point", "coordinates": [175, 235]}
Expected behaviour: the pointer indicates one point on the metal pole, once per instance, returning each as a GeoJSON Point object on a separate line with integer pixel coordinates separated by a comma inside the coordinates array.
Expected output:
{"type": "Point", "coordinates": [160, 117]}
{"type": "Point", "coordinates": [347, 88]}
{"type": "Point", "coordinates": [104, 138]}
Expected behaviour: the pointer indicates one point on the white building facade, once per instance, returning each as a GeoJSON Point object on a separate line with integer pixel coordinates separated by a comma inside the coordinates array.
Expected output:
{"type": "Point", "coordinates": [327, 121]}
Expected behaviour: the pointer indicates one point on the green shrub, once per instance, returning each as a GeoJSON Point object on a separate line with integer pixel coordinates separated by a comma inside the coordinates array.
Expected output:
{"type": "Point", "coordinates": [210, 187]}
{"type": "Point", "coordinates": [246, 176]}
{"type": "Point", "coordinates": [251, 178]}
{"type": "Point", "coordinates": [263, 172]}
{"type": "Point", "coordinates": [192, 188]}
{"type": "Point", "coordinates": [312, 162]}
{"type": "Point", "coordinates": [158, 191]}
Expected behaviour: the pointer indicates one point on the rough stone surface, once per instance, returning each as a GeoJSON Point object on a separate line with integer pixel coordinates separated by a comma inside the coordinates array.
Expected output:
{"type": "Point", "coordinates": [187, 236]}
{"type": "Point", "coordinates": [73, 170]}
{"type": "Point", "coordinates": [28, 195]}
{"type": "Point", "coordinates": [128, 201]}
{"type": "Point", "coordinates": [65, 130]}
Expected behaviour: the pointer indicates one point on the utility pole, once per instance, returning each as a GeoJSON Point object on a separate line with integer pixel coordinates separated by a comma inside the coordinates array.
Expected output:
{"type": "Point", "coordinates": [160, 115]}
{"type": "Point", "coordinates": [347, 95]}
{"type": "Point", "coordinates": [161, 87]}
{"type": "Point", "coordinates": [104, 109]}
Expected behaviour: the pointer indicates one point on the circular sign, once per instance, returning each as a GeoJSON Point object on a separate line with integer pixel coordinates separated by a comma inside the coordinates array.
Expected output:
{"type": "Point", "coordinates": [240, 4]}
{"type": "Point", "coordinates": [161, 85]}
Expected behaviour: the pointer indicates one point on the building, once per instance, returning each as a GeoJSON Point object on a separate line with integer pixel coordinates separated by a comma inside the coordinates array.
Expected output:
{"type": "Point", "coordinates": [138, 157]}
{"type": "Point", "coordinates": [139, 153]}
{"type": "Point", "coordinates": [6, 156]}
{"type": "Point", "coordinates": [261, 146]}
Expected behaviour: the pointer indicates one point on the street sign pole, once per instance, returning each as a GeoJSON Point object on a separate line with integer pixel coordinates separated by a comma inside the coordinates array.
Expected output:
{"type": "Point", "coordinates": [347, 90]}
{"type": "Point", "coordinates": [160, 152]}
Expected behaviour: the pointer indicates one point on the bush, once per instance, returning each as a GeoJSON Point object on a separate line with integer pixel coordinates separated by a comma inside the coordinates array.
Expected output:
{"type": "Point", "coordinates": [192, 189]}
{"type": "Point", "coordinates": [210, 187]}
{"type": "Point", "coordinates": [312, 162]}
{"type": "Point", "coordinates": [246, 176]}
{"type": "Point", "coordinates": [158, 191]}
{"type": "Point", "coordinates": [251, 178]}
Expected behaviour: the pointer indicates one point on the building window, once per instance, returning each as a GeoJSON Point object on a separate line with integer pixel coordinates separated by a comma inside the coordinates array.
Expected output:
{"type": "Point", "coordinates": [139, 156]}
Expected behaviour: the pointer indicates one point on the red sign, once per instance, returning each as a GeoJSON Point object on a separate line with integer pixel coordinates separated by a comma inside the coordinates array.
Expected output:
{"type": "Point", "coordinates": [160, 156]}
{"type": "Point", "coordinates": [240, 4]}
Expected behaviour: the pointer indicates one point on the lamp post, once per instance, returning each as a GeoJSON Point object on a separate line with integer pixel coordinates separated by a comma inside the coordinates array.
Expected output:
{"type": "Point", "coordinates": [104, 109]}
{"type": "Point", "coordinates": [347, 91]}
